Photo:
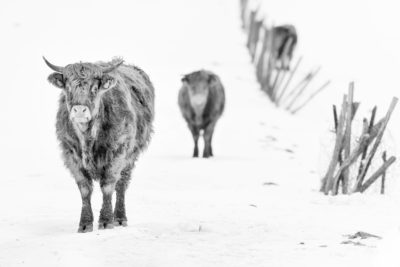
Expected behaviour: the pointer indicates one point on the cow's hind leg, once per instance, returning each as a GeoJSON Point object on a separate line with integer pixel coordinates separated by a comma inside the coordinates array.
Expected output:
{"type": "Point", "coordinates": [86, 222]}
{"type": "Point", "coordinates": [108, 182]}
{"type": "Point", "coordinates": [208, 134]}
{"type": "Point", "coordinates": [120, 218]}
{"type": "Point", "coordinates": [106, 219]}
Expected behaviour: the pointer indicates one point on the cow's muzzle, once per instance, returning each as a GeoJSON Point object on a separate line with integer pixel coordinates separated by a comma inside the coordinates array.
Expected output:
{"type": "Point", "coordinates": [80, 114]}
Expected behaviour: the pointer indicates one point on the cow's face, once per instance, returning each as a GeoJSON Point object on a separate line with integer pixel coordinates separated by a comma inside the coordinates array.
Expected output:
{"type": "Point", "coordinates": [198, 92]}
{"type": "Point", "coordinates": [198, 88]}
{"type": "Point", "coordinates": [83, 85]}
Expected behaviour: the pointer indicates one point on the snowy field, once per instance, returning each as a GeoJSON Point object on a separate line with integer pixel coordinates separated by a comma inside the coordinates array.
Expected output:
{"type": "Point", "coordinates": [256, 203]}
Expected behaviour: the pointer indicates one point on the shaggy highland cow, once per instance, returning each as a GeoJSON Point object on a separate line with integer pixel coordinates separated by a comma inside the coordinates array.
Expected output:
{"type": "Point", "coordinates": [284, 43]}
{"type": "Point", "coordinates": [104, 121]}
{"type": "Point", "coordinates": [201, 100]}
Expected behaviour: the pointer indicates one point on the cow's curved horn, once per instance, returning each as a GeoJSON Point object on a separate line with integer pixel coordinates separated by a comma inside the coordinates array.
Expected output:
{"type": "Point", "coordinates": [112, 67]}
{"type": "Point", "coordinates": [53, 67]}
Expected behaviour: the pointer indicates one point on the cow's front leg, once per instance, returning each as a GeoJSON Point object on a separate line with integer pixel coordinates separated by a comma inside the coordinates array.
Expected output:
{"type": "Point", "coordinates": [106, 218]}
{"type": "Point", "coordinates": [86, 222]}
{"type": "Point", "coordinates": [85, 185]}
{"type": "Point", "coordinates": [195, 133]}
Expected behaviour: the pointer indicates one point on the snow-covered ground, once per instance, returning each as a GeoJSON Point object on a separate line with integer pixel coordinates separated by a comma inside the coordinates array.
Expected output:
{"type": "Point", "coordinates": [256, 203]}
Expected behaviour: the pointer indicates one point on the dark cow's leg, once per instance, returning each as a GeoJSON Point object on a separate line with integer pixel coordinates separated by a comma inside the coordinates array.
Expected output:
{"type": "Point", "coordinates": [86, 221]}
{"type": "Point", "coordinates": [106, 219]}
{"type": "Point", "coordinates": [108, 182]}
{"type": "Point", "coordinates": [120, 188]}
{"type": "Point", "coordinates": [208, 134]}
{"type": "Point", "coordinates": [195, 133]}
{"type": "Point", "coordinates": [85, 185]}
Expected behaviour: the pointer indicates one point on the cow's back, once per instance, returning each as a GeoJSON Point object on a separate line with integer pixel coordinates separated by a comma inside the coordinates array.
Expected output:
{"type": "Point", "coordinates": [141, 90]}
{"type": "Point", "coordinates": [216, 99]}
{"type": "Point", "coordinates": [281, 35]}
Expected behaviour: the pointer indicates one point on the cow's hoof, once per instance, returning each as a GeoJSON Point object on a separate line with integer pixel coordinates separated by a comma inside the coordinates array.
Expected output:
{"type": "Point", "coordinates": [103, 226]}
{"type": "Point", "coordinates": [207, 155]}
{"type": "Point", "coordinates": [85, 228]}
{"type": "Point", "coordinates": [121, 222]}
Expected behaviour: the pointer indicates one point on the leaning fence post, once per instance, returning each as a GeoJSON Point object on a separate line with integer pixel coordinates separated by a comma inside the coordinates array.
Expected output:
{"type": "Point", "coordinates": [327, 181]}
{"type": "Point", "coordinates": [381, 131]}
{"type": "Point", "coordinates": [301, 90]}
{"type": "Point", "coordinates": [295, 110]}
{"type": "Point", "coordinates": [279, 98]}
{"type": "Point", "coordinates": [383, 174]}
{"type": "Point", "coordinates": [347, 135]}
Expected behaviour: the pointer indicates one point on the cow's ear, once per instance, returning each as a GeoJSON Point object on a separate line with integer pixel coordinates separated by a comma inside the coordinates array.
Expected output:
{"type": "Point", "coordinates": [107, 82]}
{"type": "Point", "coordinates": [211, 78]}
{"type": "Point", "coordinates": [57, 80]}
{"type": "Point", "coordinates": [184, 79]}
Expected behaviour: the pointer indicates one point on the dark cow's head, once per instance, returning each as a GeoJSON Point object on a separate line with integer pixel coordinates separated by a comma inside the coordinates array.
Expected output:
{"type": "Point", "coordinates": [83, 85]}
{"type": "Point", "coordinates": [198, 84]}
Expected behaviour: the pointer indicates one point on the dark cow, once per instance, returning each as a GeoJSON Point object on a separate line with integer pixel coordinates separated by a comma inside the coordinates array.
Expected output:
{"type": "Point", "coordinates": [104, 121]}
{"type": "Point", "coordinates": [201, 100]}
{"type": "Point", "coordinates": [284, 43]}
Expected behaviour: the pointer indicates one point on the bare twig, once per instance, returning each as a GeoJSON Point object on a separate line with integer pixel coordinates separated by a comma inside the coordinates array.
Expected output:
{"type": "Point", "coordinates": [275, 83]}
{"type": "Point", "coordinates": [298, 85]}
{"type": "Point", "coordinates": [295, 110]}
{"type": "Point", "coordinates": [243, 4]}
{"type": "Point", "coordinates": [259, 50]}
{"type": "Point", "coordinates": [271, 61]}
{"type": "Point", "coordinates": [383, 174]}
{"type": "Point", "coordinates": [347, 135]}
{"type": "Point", "coordinates": [369, 129]}
{"type": "Point", "coordinates": [350, 160]}
{"type": "Point", "coordinates": [261, 63]}
{"type": "Point", "coordinates": [340, 159]}
{"type": "Point", "coordinates": [251, 27]}
{"type": "Point", "coordinates": [278, 86]}
{"type": "Point", "coordinates": [301, 90]}
{"type": "Point", "coordinates": [376, 144]}
{"type": "Point", "coordinates": [282, 93]}
{"type": "Point", "coordinates": [355, 108]}
{"type": "Point", "coordinates": [335, 118]}
{"type": "Point", "coordinates": [377, 174]}
{"type": "Point", "coordinates": [327, 182]}
{"type": "Point", "coordinates": [255, 37]}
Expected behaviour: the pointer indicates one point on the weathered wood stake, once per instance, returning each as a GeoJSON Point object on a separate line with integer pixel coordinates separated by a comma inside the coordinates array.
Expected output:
{"type": "Point", "coordinates": [327, 181]}
{"type": "Point", "coordinates": [301, 90]}
{"type": "Point", "coordinates": [350, 160]}
{"type": "Point", "coordinates": [383, 174]}
{"type": "Point", "coordinates": [377, 174]}
{"type": "Point", "coordinates": [285, 87]}
{"type": "Point", "coordinates": [347, 135]}
{"type": "Point", "coordinates": [381, 131]}
{"type": "Point", "coordinates": [295, 110]}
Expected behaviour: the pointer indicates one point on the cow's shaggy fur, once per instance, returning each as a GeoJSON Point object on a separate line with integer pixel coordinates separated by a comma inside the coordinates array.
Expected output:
{"type": "Point", "coordinates": [106, 148]}
{"type": "Point", "coordinates": [202, 100]}
{"type": "Point", "coordinates": [285, 38]}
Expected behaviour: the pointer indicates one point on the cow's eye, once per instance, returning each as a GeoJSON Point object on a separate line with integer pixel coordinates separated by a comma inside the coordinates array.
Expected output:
{"type": "Point", "coordinates": [94, 88]}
